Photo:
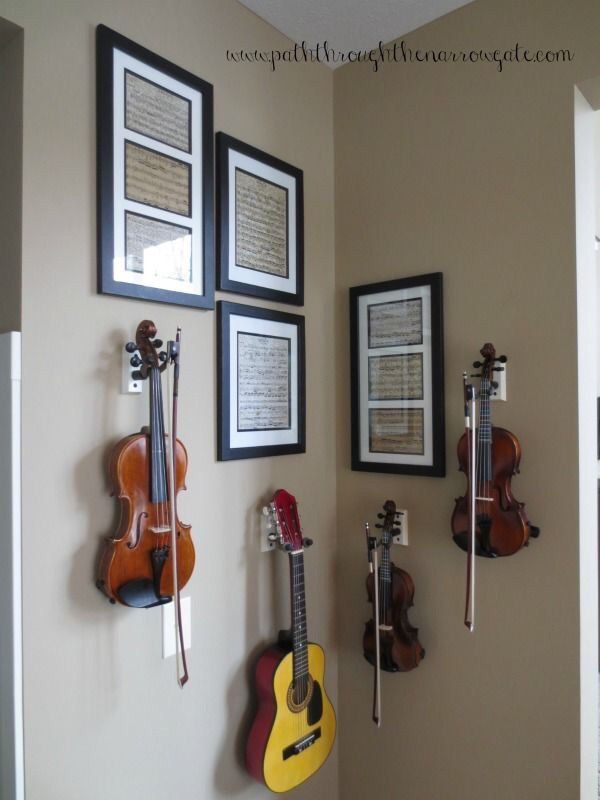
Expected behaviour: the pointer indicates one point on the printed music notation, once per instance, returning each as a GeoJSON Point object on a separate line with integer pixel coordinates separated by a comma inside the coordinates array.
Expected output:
{"type": "Point", "coordinates": [396, 430]}
{"type": "Point", "coordinates": [261, 215]}
{"type": "Point", "coordinates": [158, 249]}
{"type": "Point", "coordinates": [157, 112]}
{"type": "Point", "coordinates": [263, 382]}
{"type": "Point", "coordinates": [157, 180]}
{"type": "Point", "coordinates": [395, 324]}
{"type": "Point", "coordinates": [396, 377]}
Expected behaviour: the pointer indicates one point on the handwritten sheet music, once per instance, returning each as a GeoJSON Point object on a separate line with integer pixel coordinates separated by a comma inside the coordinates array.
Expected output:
{"type": "Point", "coordinates": [263, 382]}
{"type": "Point", "coordinates": [396, 430]}
{"type": "Point", "coordinates": [157, 112]}
{"type": "Point", "coordinates": [158, 249]}
{"type": "Point", "coordinates": [395, 324]}
{"type": "Point", "coordinates": [261, 215]}
{"type": "Point", "coordinates": [156, 179]}
{"type": "Point", "coordinates": [397, 377]}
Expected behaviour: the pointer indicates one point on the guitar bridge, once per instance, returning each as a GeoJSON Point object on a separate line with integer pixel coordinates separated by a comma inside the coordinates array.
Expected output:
{"type": "Point", "coordinates": [302, 744]}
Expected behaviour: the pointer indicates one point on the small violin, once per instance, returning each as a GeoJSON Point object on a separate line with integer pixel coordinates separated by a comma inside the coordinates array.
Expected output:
{"type": "Point", "coordinates": [399, 646]}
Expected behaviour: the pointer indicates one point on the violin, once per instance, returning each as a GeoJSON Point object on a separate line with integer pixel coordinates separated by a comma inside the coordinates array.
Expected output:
{"type": "Point", "coordinates": [151, 556]}
{"type": "Point", "coordinates": [395, 638]}
{"type": "Point", "coordinates": [489, 456]}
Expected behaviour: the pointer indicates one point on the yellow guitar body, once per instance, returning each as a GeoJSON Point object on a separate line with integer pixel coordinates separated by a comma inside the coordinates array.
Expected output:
{"type": "Point", "coordinates": [284, 767]}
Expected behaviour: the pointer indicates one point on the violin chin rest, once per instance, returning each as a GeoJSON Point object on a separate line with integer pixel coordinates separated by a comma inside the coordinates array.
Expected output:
{"type": "Point", "coordinates": [462, 540]}
{"type": "Point", "coordinates": [140, 594]}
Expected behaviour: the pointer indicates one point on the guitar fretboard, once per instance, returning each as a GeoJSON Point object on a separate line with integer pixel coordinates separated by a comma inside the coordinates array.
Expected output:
{"type": "Point", "coordinates": [299, 635]}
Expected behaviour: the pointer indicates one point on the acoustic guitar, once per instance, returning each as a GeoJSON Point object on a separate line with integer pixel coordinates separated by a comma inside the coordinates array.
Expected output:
{"type": "Point", "coordinates": [294, 728]}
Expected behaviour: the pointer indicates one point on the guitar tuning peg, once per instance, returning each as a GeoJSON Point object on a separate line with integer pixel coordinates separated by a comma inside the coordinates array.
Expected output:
{"type": "Point", "coordinates": [131, 347]}
{"type": "Point", "coordinates": [287, 548]}
{"type": "Point", "coordinates": [307, 542]}
{"type": "Point", "coordinates": [266, 511]}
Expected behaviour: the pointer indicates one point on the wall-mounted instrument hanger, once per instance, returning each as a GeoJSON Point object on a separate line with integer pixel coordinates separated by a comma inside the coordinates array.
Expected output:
{"type": "Point", "coordinates": [294, 728]}
{"type": "Point", "coordinates": [151, 557]}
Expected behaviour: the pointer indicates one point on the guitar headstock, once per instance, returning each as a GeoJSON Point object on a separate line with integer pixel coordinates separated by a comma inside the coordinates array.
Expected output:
{"type": "Point", "coordinates": [284, 517]}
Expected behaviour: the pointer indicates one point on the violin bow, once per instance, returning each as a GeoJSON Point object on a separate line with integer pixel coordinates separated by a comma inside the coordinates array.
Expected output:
{"type": "Point", "coordinates": [174, 349]}
{"type": "Point", "coordinates": [469, 395]}
{"type": "Point", "coordinates": [374, 568]}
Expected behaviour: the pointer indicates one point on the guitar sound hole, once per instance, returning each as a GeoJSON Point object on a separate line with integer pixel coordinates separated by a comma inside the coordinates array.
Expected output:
{"type": "Point", "coordinates": [298, 697]}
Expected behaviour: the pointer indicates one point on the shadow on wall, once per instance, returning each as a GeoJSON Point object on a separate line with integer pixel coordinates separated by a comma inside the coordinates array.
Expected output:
{"type": "Point", "coordinates": [230, 775]}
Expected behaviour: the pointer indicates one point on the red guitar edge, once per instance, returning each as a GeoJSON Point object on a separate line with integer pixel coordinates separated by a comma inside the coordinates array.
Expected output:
{"type": "Point", "coordinates": [262, 726]}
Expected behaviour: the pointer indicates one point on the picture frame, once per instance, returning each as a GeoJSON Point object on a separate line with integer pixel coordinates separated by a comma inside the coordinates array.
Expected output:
{"type": "Point", "coordinates": [397, 376]}
{"type": "Point", "coordinates": [155, 177]}
{"type": "Point", "coordinates": [260, 207]}
{"type": "Point", "coordinates": [261, 394]}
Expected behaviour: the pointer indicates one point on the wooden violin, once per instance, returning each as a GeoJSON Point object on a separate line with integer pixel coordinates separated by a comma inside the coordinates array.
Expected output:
{"type": "Point", "coordinates": [294, 728]}
{"type": "Point", "coordinates": [489, 460]}
{"type": "Point", "coordinates": [151, 557]}
{"type": "Point", "coordinates": [397, 640]}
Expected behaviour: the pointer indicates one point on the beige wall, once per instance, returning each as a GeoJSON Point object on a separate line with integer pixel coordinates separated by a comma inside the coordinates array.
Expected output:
{"type": "Point", "coordinates": [438, 167]}
{"type": "Point", "coordinates": [103, 714]}
{"type": "Point", "coordinates": [11, 167]}
{"type": "Point", "coordinates": [461, 169]}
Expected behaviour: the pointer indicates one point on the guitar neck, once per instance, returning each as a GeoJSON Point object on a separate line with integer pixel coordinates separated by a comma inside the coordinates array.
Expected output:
{"type": "Point", "coordinates": [298, 605]}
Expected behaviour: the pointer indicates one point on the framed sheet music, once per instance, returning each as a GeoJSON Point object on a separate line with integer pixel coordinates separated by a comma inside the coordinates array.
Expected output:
{"type": "Point", "coordinates": [261, 223]}
{"type": "Point", "coordinates": [261, 383]}
{"type": "Point", "coordinates": [397, 376]}
{"type": "Point", "coordinates": [155, 176]}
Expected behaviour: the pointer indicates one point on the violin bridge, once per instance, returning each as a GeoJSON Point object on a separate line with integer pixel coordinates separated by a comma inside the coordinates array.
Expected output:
{"type": "Point", "coordinates": [485, 499]}
{"type": "Point", "coordinates": [160, 529]}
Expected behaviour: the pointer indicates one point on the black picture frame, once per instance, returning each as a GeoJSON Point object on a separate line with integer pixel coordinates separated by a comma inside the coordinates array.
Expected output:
{"type": "Point", "coordinates": [276, 272]}
{"type": "Point", "coordinates": [397, 408]}
{"type": "Point", "coordinates": [132, 228]}
{"type": "Point", "coordinates": [239, 329]}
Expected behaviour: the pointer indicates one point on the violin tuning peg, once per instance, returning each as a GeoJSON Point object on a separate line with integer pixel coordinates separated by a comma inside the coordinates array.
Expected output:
{"type": "Point", "coordinates": [380, 515]}
{"type": "Point", "coordinates": [162, 356]}
{"type": "Point", "coordinates": [396, 532]}
{"type": "Point", "coordinates": [137, 375]}
{"type": "Point", "coordinates": [135, 361]}
{"type": "Point", "coordinates": [157, 343]}
{"type": "Point", "coordinates": [498, 369]}
{"type": "Point", "coordinates": [476, 364]}
{"type": "Point", "coordinates": [476, 375]}
{"type": "Point", "coordinates": [272, 537]}
{"type": "Point", "coordinates": [131, 347]}
{"type": "Point", "coordinates": [502, 359]}
{"type": "Point", "coordinates": [377, 525]}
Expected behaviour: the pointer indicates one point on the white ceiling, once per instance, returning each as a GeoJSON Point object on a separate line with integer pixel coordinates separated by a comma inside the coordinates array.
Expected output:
{"type": "Point", "coordinates": [349, 24]}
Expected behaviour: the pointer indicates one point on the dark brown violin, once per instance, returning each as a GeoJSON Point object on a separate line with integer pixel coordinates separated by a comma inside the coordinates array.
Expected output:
{"type": "Point", "coordinates": [500, 521]}
{"type": "Point", "coordinates": [399, 646]}
{"type": "Point", "coordinates": [152, 554]}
